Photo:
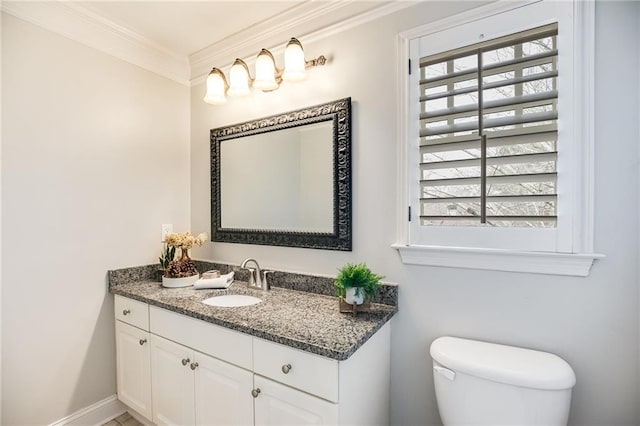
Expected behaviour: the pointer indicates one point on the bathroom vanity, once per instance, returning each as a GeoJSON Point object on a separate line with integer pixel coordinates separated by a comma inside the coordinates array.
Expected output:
{"type": "Point", "coordinates": [291, 359]}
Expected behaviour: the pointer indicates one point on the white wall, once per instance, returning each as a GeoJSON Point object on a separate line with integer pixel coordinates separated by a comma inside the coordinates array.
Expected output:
{"type": "Point", "coordinates": [95, 157]}
{"type": "Point", "coordinates": [591, 322]}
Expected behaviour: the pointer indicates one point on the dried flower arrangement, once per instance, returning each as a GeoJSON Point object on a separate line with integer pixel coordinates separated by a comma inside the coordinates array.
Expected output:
{"type": "Point", "coordinates": [184, 267]}
{"type": "Point", "coordinates": [184, 240]}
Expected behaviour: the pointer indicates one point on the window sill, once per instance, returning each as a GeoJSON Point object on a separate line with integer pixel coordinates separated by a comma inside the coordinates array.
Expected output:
{"type": "Point", "coordinates": [571, 264]}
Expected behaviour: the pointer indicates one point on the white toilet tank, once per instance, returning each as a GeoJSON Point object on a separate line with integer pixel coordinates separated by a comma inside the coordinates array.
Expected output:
{"type": "Point", "coordinates": [479, 383]}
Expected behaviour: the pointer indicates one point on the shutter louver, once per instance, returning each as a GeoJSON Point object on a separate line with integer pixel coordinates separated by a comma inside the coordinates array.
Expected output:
{"type": "Point", "coordinates": [502, 92]}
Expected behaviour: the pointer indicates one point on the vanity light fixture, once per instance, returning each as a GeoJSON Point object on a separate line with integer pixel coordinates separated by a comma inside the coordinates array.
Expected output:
{"type": "Point", "coordinates": [267, 75]}
{"type": "Point", "coordinates": [239, 79]}
{"type": "Point", "coordinates": [216, 87]}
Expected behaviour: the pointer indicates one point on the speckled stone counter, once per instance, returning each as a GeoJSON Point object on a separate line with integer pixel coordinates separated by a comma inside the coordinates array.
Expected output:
{"type": "Point", "coordinates": [301, 320]}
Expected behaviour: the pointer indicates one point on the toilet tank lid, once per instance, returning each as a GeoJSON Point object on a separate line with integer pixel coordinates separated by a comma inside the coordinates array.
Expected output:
{"type": "Point", "coordinates": [503, 364]}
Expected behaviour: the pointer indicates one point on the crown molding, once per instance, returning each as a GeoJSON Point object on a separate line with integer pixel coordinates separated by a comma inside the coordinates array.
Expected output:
{"type": "Point", "coordinates": [91, 29]}
{"type": "Point", "coordinates": [311, 20]}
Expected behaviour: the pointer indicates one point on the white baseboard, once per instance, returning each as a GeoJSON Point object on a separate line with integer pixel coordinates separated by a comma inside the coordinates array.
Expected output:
{"type": "Point", "coordinates": [95, 414]}
{"type": "Point", "coordinates": [140, 418]}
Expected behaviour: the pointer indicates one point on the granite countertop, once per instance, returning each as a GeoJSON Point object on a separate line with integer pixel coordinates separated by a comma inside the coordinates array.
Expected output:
{"type": "Point", "coordinates": [302, 320]}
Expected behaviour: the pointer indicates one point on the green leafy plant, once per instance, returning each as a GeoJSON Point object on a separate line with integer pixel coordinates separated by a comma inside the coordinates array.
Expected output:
{"type": "Point", "coordinates": [358, 276]}
{"type": "Point", "coordinates": [168, 254]}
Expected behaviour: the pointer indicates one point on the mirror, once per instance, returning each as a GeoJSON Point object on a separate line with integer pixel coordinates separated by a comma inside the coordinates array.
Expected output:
{"type": "Point", "coordinates": [284, 180]}
{"type": "Point", "coordinates": [295, 165]}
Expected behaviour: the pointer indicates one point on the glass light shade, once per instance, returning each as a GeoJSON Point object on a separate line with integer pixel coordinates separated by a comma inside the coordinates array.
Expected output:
{"type": "Point", "coordinates": [239, 79]}
{"type": "Point", "coordinates": [216, 85]}
{"type": "Point", "coordinates": [294, 63]}
{"type": "Point", "coordinates": [265, 71]}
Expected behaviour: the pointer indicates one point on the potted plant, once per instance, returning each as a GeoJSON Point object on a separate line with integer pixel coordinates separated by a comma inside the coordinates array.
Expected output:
{"type": "Point", "coordinates": [355, 281]}
{"type": "Point", "coordinates": [182, 272]}
{"type": "Point", "coordinates": [167, 255]}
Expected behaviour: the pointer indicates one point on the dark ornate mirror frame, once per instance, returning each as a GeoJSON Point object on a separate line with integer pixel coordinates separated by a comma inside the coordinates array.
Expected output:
{"type": "Point", "coordinates": [339, 112]}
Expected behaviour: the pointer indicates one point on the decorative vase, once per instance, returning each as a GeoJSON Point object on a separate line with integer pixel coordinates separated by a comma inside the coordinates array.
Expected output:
{"type": "Point", "coordinates": [354, 297]}
{"type": "Point", "coordinates": [184, 254]}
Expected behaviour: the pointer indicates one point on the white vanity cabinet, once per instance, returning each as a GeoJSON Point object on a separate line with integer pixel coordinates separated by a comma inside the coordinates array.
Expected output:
{"type": "Point", "coordinates": [204, 374]}
{"type": "Point", "coordinates": [172, 385]}
{"type": "Point", "coordinates": [192, 388]}
{"type": "Point", "coordinates": [133, 355]}
{"type": "Point", "coordinates": [300, 388]}
{"type": "Point", "coordinates": [223, 393]}
{"type": "Point", "coordinates": [277, 404]}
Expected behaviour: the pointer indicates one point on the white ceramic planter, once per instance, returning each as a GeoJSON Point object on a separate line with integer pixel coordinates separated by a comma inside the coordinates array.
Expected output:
{"type": "Point", "coordinates": [352, 297]}
{"type": "Point", "coordinates": [179, 282]}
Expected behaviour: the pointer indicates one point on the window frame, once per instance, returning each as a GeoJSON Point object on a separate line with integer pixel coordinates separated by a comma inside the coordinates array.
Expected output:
{"type": "Point", "coordinates": [572, 253]}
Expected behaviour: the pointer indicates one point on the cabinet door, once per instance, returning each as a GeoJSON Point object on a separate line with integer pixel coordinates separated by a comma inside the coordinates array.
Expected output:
{"type": "Point", "coordinates": [172, 384]}
{"type": "Point", "coordinates": [223, 393]}
{"type": "Point", "coordinates": [133, 368]}
{"type": "Point", "coordinates": [278, 404]}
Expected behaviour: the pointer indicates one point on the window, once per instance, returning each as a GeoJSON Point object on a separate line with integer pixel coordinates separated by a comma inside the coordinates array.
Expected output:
{"type": "Point", "coordinates": [488, 133]}
{"type": "Point", "coordinates": [497, 140]}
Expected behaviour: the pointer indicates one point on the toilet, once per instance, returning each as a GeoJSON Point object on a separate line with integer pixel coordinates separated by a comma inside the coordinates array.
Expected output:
{"type": "Point", "coordinates": [479, 383]}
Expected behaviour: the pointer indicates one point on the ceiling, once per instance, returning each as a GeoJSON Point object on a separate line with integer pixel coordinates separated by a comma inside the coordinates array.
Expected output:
{"type": "Point", "coordinates": [186, 27]}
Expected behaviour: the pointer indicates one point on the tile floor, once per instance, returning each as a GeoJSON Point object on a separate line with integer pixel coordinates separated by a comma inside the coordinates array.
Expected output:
{"type": "Point", "coordinates": [123, 420]}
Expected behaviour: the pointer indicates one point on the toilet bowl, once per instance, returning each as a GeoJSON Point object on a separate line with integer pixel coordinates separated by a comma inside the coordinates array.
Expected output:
{"type": "Point", "coordinates": [479, 383]}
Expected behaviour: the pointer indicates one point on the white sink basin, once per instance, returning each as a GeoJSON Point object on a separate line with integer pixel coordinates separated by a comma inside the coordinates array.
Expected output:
{"type": "Point", "coordinates": [231, 301]}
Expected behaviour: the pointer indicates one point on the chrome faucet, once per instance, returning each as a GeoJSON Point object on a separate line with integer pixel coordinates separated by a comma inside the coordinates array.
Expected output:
{"type": "Point", "coordinates": [257, 277]}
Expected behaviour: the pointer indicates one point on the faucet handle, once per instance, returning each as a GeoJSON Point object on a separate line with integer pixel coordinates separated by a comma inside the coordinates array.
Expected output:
{"type": "Point", "coordinates": [265, 282]}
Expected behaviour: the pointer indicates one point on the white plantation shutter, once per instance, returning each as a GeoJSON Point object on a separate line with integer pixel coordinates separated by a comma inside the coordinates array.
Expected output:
{"type": "Point", "coordinates": [497, 139]}
{"type": "Point", "coordinates": [488, 133]}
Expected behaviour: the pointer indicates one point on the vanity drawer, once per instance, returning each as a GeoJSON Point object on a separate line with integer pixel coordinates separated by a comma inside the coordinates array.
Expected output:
{"type": "Point", "coordinates": [219, 342]}
{"type": "Point", "coordinates": [302, 370]}
{"type": "Point", "coordinates": [132, 312]}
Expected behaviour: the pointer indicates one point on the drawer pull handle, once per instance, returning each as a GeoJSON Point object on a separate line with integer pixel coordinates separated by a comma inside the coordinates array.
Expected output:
{"type": "Point", "coordinates": [286, 368]}
{"type": "Point", "coordinates": [194, 365]}
{"type": "Point", "coordinates": [143, 341]}
{"type": "Point", "coordinates": [126, 312]}
{"type": "Point", "coordinates": [185, 361]}
{"type": "Point", "coordinates": [255, 392]}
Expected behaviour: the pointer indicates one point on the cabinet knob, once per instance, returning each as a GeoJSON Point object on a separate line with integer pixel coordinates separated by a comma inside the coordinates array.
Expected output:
{"type": "Point", "coordinates": [185, 361]}
{"type": "Point", "coordinates": [255, 392]}
{"type": "Point", "coordinates": [286, 368]}
{"type": "Point", "coordinates": [194, 365]}
{"type": "Point", "coordinates": [143, 341]}
{"type": "Point", "coordinates": [126, 312]}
